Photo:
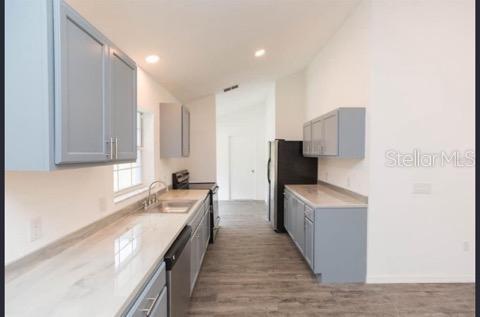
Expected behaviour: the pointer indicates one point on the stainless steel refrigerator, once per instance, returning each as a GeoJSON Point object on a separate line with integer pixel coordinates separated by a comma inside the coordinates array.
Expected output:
{"type": "Point", "coordinates": [286, 165]}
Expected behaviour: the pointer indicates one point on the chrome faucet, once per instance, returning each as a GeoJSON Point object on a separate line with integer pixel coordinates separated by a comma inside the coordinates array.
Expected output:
{"type": "Point", "coordinates": [150, 201]}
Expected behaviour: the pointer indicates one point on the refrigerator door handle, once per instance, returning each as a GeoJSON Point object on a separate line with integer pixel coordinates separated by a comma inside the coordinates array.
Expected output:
{"type": "Point", "coordinates": [268, 169]}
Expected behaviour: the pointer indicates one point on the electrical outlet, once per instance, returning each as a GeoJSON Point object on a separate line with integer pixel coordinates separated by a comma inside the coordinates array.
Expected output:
{"type": "Point", "coordinates": [102, 204]}
{"type": "Point", "coordinates": [466, 246]}
{"type": "Point", "coordinates": [422, 188]}
{"type": "Point", "coordinates": [35, 229]}
{"type": "Point", "coordinates": [326, 176]}
{"type": "Point", "coordinates": [348, 182]}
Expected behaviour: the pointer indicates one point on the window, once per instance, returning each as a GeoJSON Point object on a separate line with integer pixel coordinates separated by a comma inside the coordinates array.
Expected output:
{"type": "Point", "coordinates": [128, 176]}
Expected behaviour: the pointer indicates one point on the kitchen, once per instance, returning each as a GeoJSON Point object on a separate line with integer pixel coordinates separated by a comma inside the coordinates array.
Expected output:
{"type": "Point", "coordinates": [131, 192]}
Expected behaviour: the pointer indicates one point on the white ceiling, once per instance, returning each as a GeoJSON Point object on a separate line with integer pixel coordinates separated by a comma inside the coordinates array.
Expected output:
{"type": "Point", "coordinates": [207, 45]}
{"type": "Point", "coordinates": [245, 96]}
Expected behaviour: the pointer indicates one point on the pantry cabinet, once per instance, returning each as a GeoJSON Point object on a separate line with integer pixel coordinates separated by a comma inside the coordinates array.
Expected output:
{"type": "Point", "coordinates": [71, 93]}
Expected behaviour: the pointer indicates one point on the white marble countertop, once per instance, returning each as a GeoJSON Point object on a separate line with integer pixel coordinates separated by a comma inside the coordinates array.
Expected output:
{"type": "Point", "coordinates": [100, 274]}
{"type": "Point", "coordinates": [322, 196]}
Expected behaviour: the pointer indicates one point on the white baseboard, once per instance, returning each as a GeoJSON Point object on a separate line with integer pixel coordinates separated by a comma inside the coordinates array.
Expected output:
{"type": "Point", "coordinates": [386, 279]}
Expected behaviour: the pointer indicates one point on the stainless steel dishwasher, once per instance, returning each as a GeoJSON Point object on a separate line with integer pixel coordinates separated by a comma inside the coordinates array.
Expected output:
{"type": "Point", "coordinates": [177, 260]}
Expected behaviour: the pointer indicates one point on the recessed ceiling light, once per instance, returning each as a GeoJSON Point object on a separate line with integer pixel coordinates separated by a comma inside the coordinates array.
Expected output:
{"type": "Point", "coordinates": [152, 59]}
{"type": "Point", "coordinates": [260, 53]}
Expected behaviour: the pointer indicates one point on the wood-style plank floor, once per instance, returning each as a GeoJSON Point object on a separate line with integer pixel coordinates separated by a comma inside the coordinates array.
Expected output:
{"type": "Point", "coordinates": [253, 271]}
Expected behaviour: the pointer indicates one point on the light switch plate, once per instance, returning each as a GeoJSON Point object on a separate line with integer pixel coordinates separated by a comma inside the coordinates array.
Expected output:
{"type": "Point", "coordinates": [422, 188]}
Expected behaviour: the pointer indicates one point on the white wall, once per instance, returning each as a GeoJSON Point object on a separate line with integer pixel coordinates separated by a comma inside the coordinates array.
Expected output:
{"type": "Point", "coordinates": [339, 77]}
{"type": "Point", "coordinates": [289, 106]}
{"type": "Point", "coordinates": [248, 121]}
{"type": "Point", "coordinates": [67, 200]}
{"type": "Point", "coordinates": [202, 160]}
{"type": "Point", "coordinates": [422, 96]}
{"type": "Point", "coordinates": [411, 63]}
{"type": "Point", "coordinates": [270, 125]}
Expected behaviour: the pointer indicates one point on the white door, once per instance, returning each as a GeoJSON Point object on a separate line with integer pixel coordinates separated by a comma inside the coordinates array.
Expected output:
{"type": "Point", "coordinates": [242, 167]}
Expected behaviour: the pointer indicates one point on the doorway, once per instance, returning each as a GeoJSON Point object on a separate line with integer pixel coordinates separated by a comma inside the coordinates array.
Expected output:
{"type": "Point", "coordinates": [242, 154]}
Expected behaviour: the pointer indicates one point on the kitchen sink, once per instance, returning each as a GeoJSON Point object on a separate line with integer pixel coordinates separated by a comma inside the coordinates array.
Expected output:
{"type": "Point", "coordinates": [171, 206]}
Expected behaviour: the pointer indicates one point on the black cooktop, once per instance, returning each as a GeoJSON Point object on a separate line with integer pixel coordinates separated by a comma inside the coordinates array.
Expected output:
{"type": "Point", "coordinates": [209, 186]}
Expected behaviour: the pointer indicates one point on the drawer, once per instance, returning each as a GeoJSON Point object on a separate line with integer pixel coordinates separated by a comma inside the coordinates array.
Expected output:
{"type": "Point", "coordinates": [161, 306]}
{"type": "Point", "coordinates": [309, 213]}
{"type": "Point", "coordinates": [150, 294]}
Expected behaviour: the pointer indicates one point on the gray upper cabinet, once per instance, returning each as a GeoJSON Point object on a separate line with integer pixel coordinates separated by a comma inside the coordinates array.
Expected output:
{"type": "Point", "coordinates": [174, 130]}
{"type": "Point", "coordinates": [185, 131]}
{"type": "Point", "coordinates": [330, 144]}
{"type": "Point", "coordinates": [81, 101]}
{"type": "Point", "coordinates": [317, 135]}
{"type": "Point", "coordinates": [81, 93]}
{"type": "Point", "coordinates": [339, 133]}
{"type": "Point", "coordinates": [307, 139]}
{"type": "Point", "coordinates": [123, 105]}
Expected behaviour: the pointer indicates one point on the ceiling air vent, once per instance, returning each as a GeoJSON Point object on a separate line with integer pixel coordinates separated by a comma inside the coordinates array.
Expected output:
{"type": "Point", "coordinates": [230, 88]}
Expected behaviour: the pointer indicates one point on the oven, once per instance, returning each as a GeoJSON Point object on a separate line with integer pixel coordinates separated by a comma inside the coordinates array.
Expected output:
{"type": "Point", "coordinates": [181, 180]}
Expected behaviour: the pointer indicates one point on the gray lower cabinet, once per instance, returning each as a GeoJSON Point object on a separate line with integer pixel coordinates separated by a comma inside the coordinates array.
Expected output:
{"type": "Point", "coordinates": [160, 309]}
{"type": "Point", "coordinates": [80, 105]}
{"type": "Point", "coordinates": [294, 223]}
{"type": "Point", "coordinates": [286, 214]}
{"type": "Point", "coordinates": [309, 242]}
{"type": "Point", "coordinates": [174, 130]}
{"type": "Point", "coordinates": [299, 224]}
{"type": "Point", "coordinates": [333, 241]}
{"type": "Point", "coordinates": [199, 241]}
{"type": "Point", "coordinates": [152, 299]}
{"type": "Point", "coordinates": [338, 133]}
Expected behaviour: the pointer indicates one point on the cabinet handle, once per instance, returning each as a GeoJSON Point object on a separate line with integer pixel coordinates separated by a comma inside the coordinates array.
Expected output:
{"type": "Point", "coordinates": [116, 148]}
{"type": "Point", "coordinates": [148, 310]}
{"type": "Point", "coordinates": [110, 155]}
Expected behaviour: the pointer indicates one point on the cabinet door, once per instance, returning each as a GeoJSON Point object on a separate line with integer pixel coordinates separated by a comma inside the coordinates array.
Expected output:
{"type": "Point", "coordinates": [292, 211]}
{"type": "Point", "coordinates": [309, 238]}
{"type": "Point", "coordinates": [185, 131]}
{"type": "Point", "coordinates": [307, 139]}
{"type": "Point", "coordinates": [195, 258]}
{"type": "Point", "coordinates": [317, 129]}
{"type": "Point", "coordinates": [123, 105]}
{"type": "Point", "coordinates": [300, 230]}
{"type": "Point", "coordinates": [286, 218]}
{"type": "Point", "coordinates": [81, 93]}
{"type": "Point", "coordinates": [330, 135]}
{"type": "Point", "coordinates": [207, 226]}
